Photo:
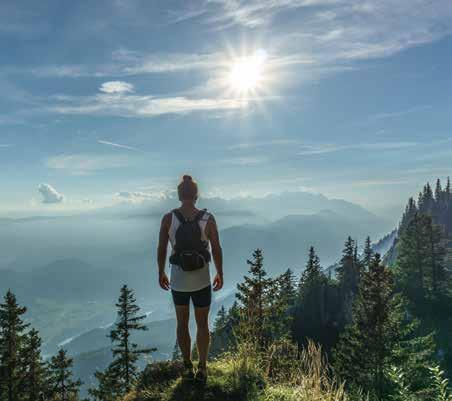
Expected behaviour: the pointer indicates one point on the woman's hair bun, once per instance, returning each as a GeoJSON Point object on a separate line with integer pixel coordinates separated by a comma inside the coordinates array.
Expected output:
{"type": "Point", "coordinates": [187, 178]}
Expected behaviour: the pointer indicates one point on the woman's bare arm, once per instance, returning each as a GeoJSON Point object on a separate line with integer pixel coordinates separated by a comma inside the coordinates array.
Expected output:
{"type": "Point", "coordinates": [162, 250]}
{"type": "Point", "coordinates": [217, 252]}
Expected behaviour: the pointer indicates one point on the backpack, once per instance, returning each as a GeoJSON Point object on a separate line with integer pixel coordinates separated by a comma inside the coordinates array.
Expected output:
{"type": "Point", "coordinates": [190, 251]}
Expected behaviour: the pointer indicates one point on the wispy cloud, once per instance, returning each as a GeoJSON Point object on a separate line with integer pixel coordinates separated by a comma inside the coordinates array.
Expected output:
{"type": "Point", "coordinates": [5, 145]}
{"type": "Point", "coordinates": [254, 145]}
{"type": "Point", "coordinates": [253, 13]}
{"type": "Point", "coordinates": [245, 160]}
{"type": "Point", "coordinates": [142, 106]}
{"type": "Point", "coordinates": [115, 145]}
{"type": "Point", "coordinates": [402, 113]}
{"type": "Point", "coordinates": [380, 182]}
{"type": "Point", "coordinates": [139, 196]}
{"type": "Point", "coordinates": [332, 148]}
{"type": "Point", "coordinates": [129, 63]}
{"type": "Point", "coordinates": [82, 164]}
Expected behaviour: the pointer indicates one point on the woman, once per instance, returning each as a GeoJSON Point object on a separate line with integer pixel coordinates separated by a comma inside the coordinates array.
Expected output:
{"type": "Point", "coordinates": [191, 232]}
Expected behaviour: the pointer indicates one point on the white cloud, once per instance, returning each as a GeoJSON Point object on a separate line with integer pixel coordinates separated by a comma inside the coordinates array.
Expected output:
{"type": "Point", "coordinates": [116, 87]}
{"type": "Point", "coordinates": [5, 145]}
{"type": "Point", "coordinates": [253, 13]}
{"type": "Point", "coordinates": [129, 63]}
{"type": "Point", "coordinates": [50, 194]}
{"type": "Point", "coordinates": [115, 145]}
{"type": "Point", "coordinates": [245, 161]}
{"type": "Point", "coordinates": [142, 106]}
{"type": "Point", "coordinates": [81, 164]}
{"type": "Point", "coordinates": [270, 143]}
{"type": "Point", "coordinates": [331, 148]}
{"type": "Point", "coordinates": [138, 196]}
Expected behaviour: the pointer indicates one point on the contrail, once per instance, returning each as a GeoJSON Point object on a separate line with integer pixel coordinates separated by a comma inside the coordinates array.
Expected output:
{"type": "Point", "coordinates": [116, 145]}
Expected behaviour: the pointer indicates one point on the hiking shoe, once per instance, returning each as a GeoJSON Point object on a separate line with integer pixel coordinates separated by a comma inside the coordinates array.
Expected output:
{"type": "Point", "coordinates": [201, 376]}
{"type": "Point", "coordinates": [187, 373]}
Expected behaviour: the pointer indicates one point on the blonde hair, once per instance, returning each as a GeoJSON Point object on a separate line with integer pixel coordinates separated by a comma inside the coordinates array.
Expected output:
{"type": "Point", "coordinates": [187, 189]}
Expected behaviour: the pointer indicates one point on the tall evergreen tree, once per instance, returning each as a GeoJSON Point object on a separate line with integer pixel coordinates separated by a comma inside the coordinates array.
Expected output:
{"type": "Point", "coordinates": [12, 341]}
{"type": "Point", "coordinates": [224, 330]}
{"type": "Point", "coordinates": [410, 210]}
{"type": "Point", "coordinates": [437, 278]}
{"type": "Point", "coordinates": [311, 273]}
{"type": "Point", "coordinates": [377, 336]}
{"type": "Point", "coordinates": [421, 261]}
{"type": "Point", "coordinates": [438, 191]}
{"type": "Point", "coordinates": [125, 352]}
{"type": "Point", "coordinates": [368, 253]}
{"type": "Point", "coordinates": [253, 296]}
{"type": "Point", "coordinates": [281, 298]}
{"type": "Point", "coordinates": [428, 199]}
{"type": "Point", "coordinates": [287, 286]}
{"type": "Point", "coordinates": [108, 388]}
{"type": "Point", "coordinates": [412, 259]}
{"type": "Point", "coordinates": [63, 387]}
{"type": "Point", "coordinates": [221, 318]}
{"type": "Point", "coordinates": [310, 312]}
{"type": "Point", "coordinates": [447, 190]}
{"type": "Point", "coordinates": [348, 271]}
{"type": "Point", "coordinates": [420, 202]}
{"type": "Point", "coordinates": [35, 381]}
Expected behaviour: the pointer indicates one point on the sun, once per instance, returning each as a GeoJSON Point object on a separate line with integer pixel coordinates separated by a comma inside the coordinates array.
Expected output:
{"type": "Point", "coordinates": [246, 74]}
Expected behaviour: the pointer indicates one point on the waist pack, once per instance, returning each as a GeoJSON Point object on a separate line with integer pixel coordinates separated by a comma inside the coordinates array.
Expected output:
{"type": "Point", "coordinates": [190, 251]}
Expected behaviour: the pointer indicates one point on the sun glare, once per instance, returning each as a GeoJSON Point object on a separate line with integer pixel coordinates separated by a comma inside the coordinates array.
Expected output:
{"type": "Point", "coordinates": [246, 73]}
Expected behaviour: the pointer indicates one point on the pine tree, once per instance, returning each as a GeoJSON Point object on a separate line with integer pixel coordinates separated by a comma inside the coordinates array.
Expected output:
{"type": "Point", "coordinates": [311, 272]}
{"type": "Point", "coordinates": [420, 202]}
{"type": "Point", "coordinates": [63, 387]}
{"type": "Point", "coordinates": [108, 388]}
{"type": "Point", "coordinates": [226, 330]}
{"type": "Point", "coordinates": [221, 319]}
{"type": "Point", "coordinates": [438, 191]}
{"type": "Point", "coordinates": [34, 385]}
{"type": "Point", "coordinates": [287, 287]}
{"type": "Point", "coordinates": [437, 278]}
{"type": "Point", "coordinates": [421, 261]}
{"type": "Point", "coordinates": [252, 294]}
{"type": "Point", "coordinates": [281, 298]}
{"type": "Point", "coordinates": [447, 190]}
{"type": "Point", "coordinates": [12, 341]}
{"type": "Point", "coordinates": [348, 271]}
{"type": "Point", "coordinates": [412, 259]}
{"type": "Point", "coordinates": [368, 253]}
{"type": "Point", "coordinates": [126, 353]}
{"type": "Point", "coordinates": [379, 335]}
{"type": "Point", "coordinates": [428, 199]}
{"type": "Point", "coordinates": [309, 316]}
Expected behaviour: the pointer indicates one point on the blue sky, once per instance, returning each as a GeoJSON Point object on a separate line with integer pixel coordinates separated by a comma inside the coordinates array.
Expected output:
{"type": "Point", "coordinates": [112, 101]}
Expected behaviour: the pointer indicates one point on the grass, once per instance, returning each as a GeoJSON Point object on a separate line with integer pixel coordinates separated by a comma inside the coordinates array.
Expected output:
{"type": "Point", "coordinates": [279, 375]}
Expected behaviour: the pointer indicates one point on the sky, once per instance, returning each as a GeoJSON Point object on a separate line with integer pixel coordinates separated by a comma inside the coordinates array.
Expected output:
{"type": "Point", "coordinates": [112, 101]}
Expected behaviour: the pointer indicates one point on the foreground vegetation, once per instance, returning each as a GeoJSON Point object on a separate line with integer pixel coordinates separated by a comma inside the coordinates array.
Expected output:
{"type": "Point", "coordinates": [244, 375]}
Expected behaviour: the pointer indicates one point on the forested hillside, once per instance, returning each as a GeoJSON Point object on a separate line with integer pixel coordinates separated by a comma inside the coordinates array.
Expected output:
{"type": "Point", "coordinates": [376, 328]}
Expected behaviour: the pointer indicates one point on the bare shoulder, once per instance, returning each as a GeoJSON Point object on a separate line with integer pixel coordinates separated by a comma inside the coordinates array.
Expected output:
{"type": "Point", "coordinates": [211, 219]}
{"type": "Point", "coordinates": [211, 226]}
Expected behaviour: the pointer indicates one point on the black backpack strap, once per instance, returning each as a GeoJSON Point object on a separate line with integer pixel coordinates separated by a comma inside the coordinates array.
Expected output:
{"type": "Point", "coordinates": [200, 215]}
{"type": "Point", "coordinates": [179, 216]}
